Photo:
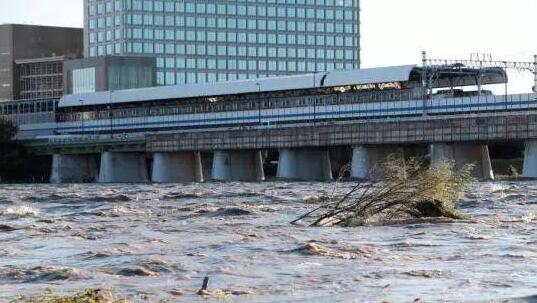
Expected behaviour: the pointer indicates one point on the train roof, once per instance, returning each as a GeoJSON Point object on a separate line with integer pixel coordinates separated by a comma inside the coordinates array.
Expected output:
{"type": "Point", "coordinates": [404, 73]}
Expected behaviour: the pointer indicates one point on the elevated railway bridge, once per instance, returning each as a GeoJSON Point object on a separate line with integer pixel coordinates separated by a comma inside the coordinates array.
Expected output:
{"type": "Point", "coordinates": [234, 130]}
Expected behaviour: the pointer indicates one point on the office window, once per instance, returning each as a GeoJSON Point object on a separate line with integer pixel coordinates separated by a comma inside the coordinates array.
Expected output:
{"type": "Point", "coordinates": [83, 80]}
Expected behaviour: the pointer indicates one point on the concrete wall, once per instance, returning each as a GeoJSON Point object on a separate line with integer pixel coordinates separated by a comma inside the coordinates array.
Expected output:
{"type": "Point", "coordinates": [7, 72]}
{"type": "Point", "coordinates": [305, 164]}
{"type": "Point", "coordinates": [123, 168]}
{"type": "Point", "coordinates": [238, 165]}
{"type": "Point", "coordinates": [367, 159]}
{"type": "Point", "coordinates": [177, 167]}
{"type": "Point", "coordinates": [30, 41]}
{"type": "Point", "coordinates": [530, 159]}
{"type": "Point", "coordinates": [74, 168]}
{"type": "Point", "coordinates": [461, 154]}
{"type": "Point", "coordinates": [419, 131]}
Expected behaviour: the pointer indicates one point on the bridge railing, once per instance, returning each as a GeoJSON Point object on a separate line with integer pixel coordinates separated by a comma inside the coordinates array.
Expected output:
{"type": "Point", "coordinates": [30, 118]}
{"type": "Point", "coordinates": [78, 139]}
{"type": "Point", "coordinates": [486, 103]}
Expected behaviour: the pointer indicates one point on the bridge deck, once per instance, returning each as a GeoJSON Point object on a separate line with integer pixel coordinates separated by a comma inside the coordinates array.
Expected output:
{"type": "Point", "coordinates": [483, 127]}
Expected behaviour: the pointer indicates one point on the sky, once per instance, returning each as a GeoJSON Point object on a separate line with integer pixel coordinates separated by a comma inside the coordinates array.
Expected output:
{"type": "Point", "coordinates": [394, 32]}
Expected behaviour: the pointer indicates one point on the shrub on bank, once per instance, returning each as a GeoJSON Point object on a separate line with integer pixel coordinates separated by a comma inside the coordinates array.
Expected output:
{"type": "Point", "coordinates": [86, 296]}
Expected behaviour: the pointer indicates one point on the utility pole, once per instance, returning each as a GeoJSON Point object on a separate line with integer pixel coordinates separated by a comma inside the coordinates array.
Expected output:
{"type": "Point", "coordinates": [425, 81]}
{"type": "Point", "coordinates": [535, 73]}
{"type": "Point", "coordinates": [259, 102]}
{"type": "Point", "coordinates": [110, 114]}
{"type": "Point", "coordinates": [82, 116]}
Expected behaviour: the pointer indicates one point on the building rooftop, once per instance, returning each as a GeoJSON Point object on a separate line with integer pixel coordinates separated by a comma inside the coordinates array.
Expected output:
{"type": "Point", "coordinates": [37, 25]}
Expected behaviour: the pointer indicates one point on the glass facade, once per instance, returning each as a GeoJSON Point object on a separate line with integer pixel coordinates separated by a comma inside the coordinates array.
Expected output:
{"type": "Point", "coordinates": [205, 41]}
{"type": "Point", "coordinates": [83, 80]}
{"type": "Point", "coordinates": [127, 77]}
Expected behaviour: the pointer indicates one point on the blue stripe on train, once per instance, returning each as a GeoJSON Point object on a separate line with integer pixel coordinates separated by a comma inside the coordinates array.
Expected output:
{"type": "Point", "coordinates": [387, 112]}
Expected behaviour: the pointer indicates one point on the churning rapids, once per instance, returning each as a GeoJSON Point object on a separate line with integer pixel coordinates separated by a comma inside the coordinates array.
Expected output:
{"type": "Point", "coordinates": [154, 242]}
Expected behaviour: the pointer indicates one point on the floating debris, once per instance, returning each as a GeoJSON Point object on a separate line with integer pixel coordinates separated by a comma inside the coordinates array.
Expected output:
{"type": "Point", "coordinates": [7, 228]}
{"type": "Point", "coordinates": [424, 273]}
{"type": "Point", "coordinates": [316, 249]}
{"type": "Point", "coordinates": [136, 271]}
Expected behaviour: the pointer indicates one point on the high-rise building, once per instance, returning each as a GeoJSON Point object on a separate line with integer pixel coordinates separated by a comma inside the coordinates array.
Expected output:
{"type": "Point", "coordinates": [31, 59]}
{"type": "Point", "coordinates": [204, 41]}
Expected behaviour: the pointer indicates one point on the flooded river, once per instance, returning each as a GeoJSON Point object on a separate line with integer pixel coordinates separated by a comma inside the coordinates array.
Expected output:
{"type": "Point", "coordinates": [158, 242]}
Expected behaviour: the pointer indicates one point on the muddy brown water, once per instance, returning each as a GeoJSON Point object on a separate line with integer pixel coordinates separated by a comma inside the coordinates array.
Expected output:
{"type": "Point", "coordinates": [158, 242]}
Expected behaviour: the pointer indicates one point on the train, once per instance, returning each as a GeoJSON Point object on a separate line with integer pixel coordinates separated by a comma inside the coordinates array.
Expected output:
{"type": "Point", "coordinates": [331, 97]}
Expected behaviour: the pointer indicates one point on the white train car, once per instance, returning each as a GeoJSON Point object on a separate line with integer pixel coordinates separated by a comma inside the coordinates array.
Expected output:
{"type": "Point", "coordinates": [331, 97]}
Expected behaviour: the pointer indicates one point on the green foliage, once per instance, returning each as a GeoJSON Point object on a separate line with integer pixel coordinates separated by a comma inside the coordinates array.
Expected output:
{"type": "Point", "coordinates": [408, 189]}
{"type": "Point", "coordinates": [87, 296]}
{"type": "Point", "coordinates": [8, 130]}
{"type": "Point", "coordinates": [16, 163]}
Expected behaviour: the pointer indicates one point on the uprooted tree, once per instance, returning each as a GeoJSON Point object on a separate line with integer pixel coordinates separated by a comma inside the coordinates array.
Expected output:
{"type": "Point", "coordinates": [406, 190]}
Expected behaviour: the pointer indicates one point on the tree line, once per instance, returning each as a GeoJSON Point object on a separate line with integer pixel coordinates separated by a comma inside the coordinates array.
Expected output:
{"type": "Point", "coordinates": [17, 163]}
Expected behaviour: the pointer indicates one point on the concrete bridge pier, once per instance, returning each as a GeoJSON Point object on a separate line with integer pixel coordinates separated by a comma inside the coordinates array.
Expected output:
{"type": "Point", "coordinates": [239, 165]}
{"type": "Point", "coordinates": [530, 159]}
{"type": "Point", "coordinates": [177, 167]}
{"type": "Point", "coordinates": [464, 153]}
{"type": "Point", "coordinates": [74, 168]}
{"type": "Point", "coordinates": [366, 159]}
{"type": "Point", "coordinates": [119, 167]}
{"type": "Point", "coordinates": [305, 165]}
